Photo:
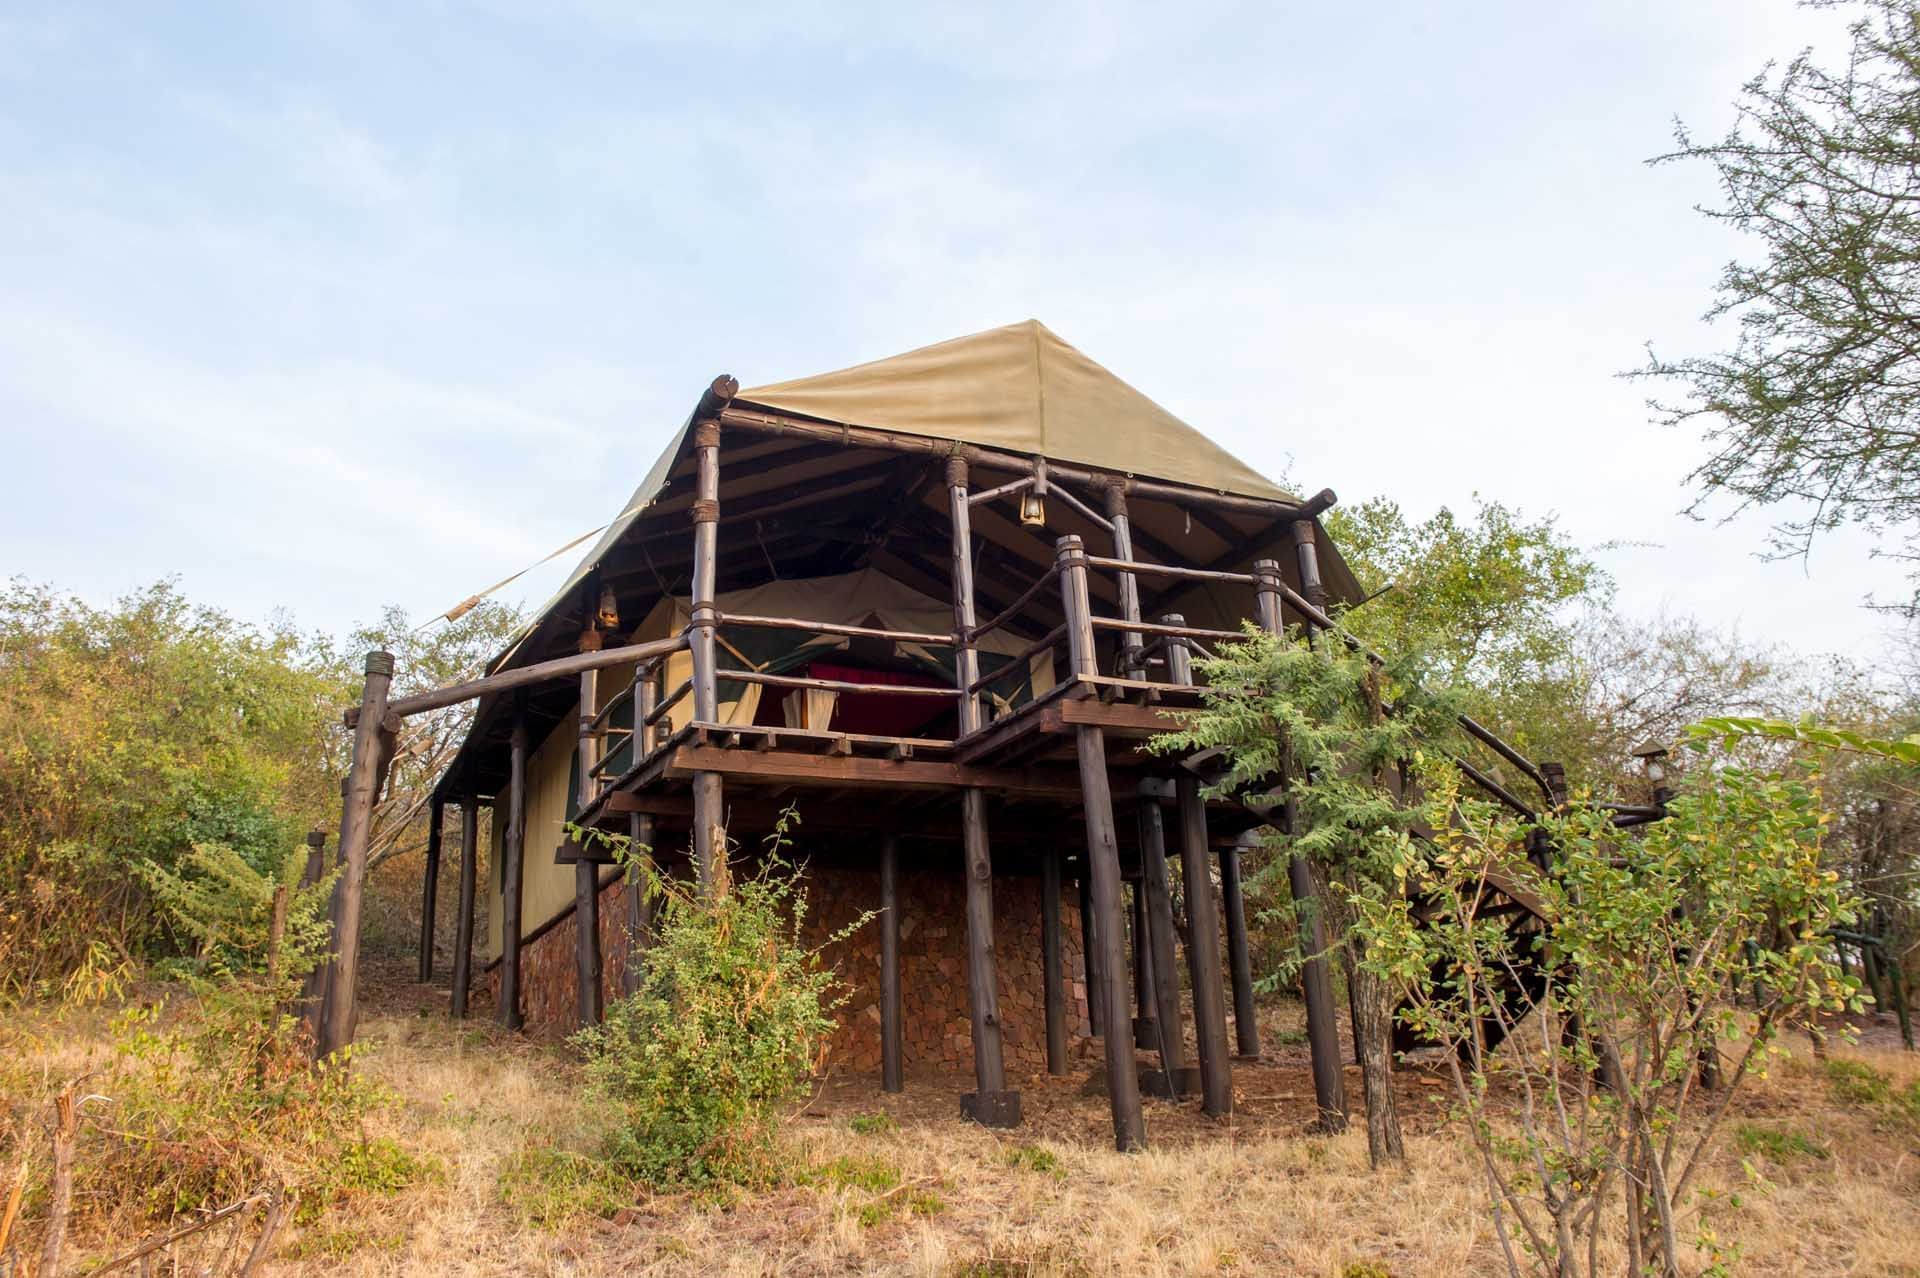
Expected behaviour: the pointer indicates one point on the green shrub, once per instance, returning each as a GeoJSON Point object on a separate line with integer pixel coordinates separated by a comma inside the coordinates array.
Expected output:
{"type": "Point", "coordinates": [548, 1187]}
{"type": "Point", "coordinates": [731, 1015]}
{"type": "Point", "coordinates": [1779, 1144]}
{"type": "Point", "coordinates": [1035, 1159]}
{"type": "Point", "coordinates": [872, 1124]}
{"type": "Point", "coordinates": [1858, 1083]}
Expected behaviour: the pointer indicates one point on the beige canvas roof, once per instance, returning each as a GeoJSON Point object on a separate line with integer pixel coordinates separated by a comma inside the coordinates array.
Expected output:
{"type": "Point", "coordinates": [1019, 388]}
{"type": "Point", "coordinates": [1022, 389]}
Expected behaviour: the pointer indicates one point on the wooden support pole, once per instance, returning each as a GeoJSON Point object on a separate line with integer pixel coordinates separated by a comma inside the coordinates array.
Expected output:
{"type": "Point", "coordinates": [586, 932]}
{"type": "Point", "coordinates": [991, 1105]}
{"type": "Point", "coordinates": [1131, 641]}
{"type": "Point", "coordinates": [709, 817]}
{"type": "Point", "coordinates": [1246, 1025]}
{"type": "Point", "coordinates": [1103, 860]}
{"type": "Point", "coordinates": [891, 1075]}
{"type": "Point", "coordinates": [463, 925]}
{"type": "Point", "coordinates": [372, 751]}
{"type": "Point", "coordinates": [1316, 980]}
{"type": "Point", "coordinates": [430, 890]}
{"type": "Point", "coordinates": [640, 835]}
{"type": "Point", "coordinates": [514, 874]}
{"type": "Point", "coordinates": [1090, 957]}
{"type": "Point", "coordinates": [586, 873]}
{"type": "Point", "coordinates": [1146, 1026]}
{"type": "Point", "coordinates": [316, 865]}
{"type": "Point", "coordinates": [1053, 962]}
{"type": "Point", "coordinates": [1155, 878]}
{"type": "Point", "coordinates": [1203, 924]}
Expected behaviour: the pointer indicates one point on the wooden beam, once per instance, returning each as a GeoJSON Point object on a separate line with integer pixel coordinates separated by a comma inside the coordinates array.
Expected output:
{"type": "Point", "coordinates": [1203, 930]}
{"type": "Point", "coordinates": [520, 677]}
{"type": "Point", "coordinates": [860, 771]}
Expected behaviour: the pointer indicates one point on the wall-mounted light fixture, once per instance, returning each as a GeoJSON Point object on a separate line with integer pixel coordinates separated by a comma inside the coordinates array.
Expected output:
{"type": "Point", "coordinates": [1653, 758]}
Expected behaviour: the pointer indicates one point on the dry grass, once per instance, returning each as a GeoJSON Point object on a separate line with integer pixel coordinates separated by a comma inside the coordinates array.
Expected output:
{"type": "Point", "coordinates": [925, 1194]}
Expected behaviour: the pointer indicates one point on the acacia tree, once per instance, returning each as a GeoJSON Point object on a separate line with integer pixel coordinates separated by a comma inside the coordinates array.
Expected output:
{"type": "Point", "coordinates": [1815, 408]}
{"type": "Point", "coordinates": [1328, 730]}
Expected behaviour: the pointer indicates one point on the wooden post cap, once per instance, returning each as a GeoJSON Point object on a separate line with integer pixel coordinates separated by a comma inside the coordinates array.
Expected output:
{"type": "Point", "coordinates": [956, 472]}
{"type": "Point", "coordinates": [380, 663]}
{"type": "Point", "coordinates": [316, 838]}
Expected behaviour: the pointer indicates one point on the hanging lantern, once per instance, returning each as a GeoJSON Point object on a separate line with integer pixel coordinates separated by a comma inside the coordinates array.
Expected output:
{"type": "Point", "coordinates": [1033, 509]}
{"type": "Point", "coordinates": [608, 615]}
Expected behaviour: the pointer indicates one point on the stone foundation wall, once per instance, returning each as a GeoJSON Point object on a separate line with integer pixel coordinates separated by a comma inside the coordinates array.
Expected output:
{"type": "Point", "coordinates": [936, 1028]}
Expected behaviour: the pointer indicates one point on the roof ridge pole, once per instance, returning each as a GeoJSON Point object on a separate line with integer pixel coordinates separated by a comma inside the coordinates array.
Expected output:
{"type": "Point", "coordinates": [1316, 980]}
{"type": "Point", "coordinates": [709, 832]}
{"type": "Point", "coordinates": [1103, 860]}
{"type": "Point", "coordinates": [373, 745]}
{"type": "Point", "coordinates": [991, 1104]}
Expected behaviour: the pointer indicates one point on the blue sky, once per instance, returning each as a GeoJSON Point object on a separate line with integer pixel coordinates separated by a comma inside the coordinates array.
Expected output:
{"type": "Point", "coordinates": [329, 306]}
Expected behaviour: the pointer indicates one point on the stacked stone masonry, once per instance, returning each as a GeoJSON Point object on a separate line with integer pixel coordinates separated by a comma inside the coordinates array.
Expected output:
{"type": "Point", "coordinates": [936, 1028]}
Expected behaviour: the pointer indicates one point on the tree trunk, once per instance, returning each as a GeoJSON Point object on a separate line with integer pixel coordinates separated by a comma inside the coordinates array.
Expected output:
{"type": "Point", "coordinates": [1373, 1001]}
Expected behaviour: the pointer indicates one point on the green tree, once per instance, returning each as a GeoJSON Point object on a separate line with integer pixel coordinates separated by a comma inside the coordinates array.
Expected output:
{"type": "Point", "coordinates": [1593, 1119]}
{"type": "Point", "coordinates": [1323, 728]}
{"type": "Point", "coordinates": [130, 735]}
{"type": "Point", "coordinates": [1814, 408]}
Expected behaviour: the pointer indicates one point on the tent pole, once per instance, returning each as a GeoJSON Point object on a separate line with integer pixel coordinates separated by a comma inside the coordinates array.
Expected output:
{"type": "Point", "coordinates": [1103, 858]}
{"type": "Point", "coordinates": [1203, 922]}
{"type": "Point", "coordinates": [709, 830]}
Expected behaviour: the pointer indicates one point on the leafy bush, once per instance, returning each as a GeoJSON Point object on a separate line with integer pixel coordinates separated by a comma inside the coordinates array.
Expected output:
{"type": "Point", "coordinates": [130, 735]}
{"type": "Point", "coordinates": [732, 1013]}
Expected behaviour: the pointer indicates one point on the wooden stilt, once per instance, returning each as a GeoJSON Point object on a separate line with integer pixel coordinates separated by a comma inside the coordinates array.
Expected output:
{"type": "Point", "coordinates": [372, 739]}
{"type": "Point", "coordinates": [891, 1078]}
{"type": "Point", "coordinates": [463, 925]}
{"type": "Point", "coordinates": [991, 1104]}
{"type": "Point", "coordinates": [1166, 977]}
{"type": "Point", "coordinates": [1316, 981]}
{"type": "Point", "coordinates": [1203, 924]}
{"type": "Point", "coordinates": [586, 931]}
{"type": "Point", "coordinates": [709, 818]}
{"type": "Point", "coordinates": [1052, 963]}
{"type": "Point", "coordinates": [429, 891]}
{"type": "Point", "coordinates": [1090, 957]}
{"type": "Point", "coordinates": [1103, 859]}
{"type": "Point", "coordinates": [1146, 1027]}
{"type": "Point", "coordinates": [1246, 1027]}
{"type": "Point", "coordinates": [639, 900]}
{"type": "Point", "coordinates": [514, 875]}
